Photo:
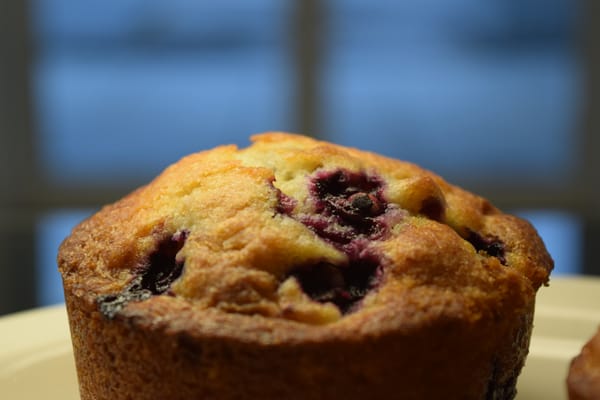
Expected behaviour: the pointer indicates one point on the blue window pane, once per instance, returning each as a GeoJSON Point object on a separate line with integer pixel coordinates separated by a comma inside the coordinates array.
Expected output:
{"type": "Point", "coordinates": [124, 88]}
{"type": "Point", "coordinates": [52, 229]}
{"type": "Point", "coordinates": [470, 89]}
{"type": "Point", "coordinates": [119, 23]}
{"type": "Point", "coordinates": [563, 235]}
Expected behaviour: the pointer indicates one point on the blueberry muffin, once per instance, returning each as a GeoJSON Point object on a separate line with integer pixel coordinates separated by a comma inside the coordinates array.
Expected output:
{"type": "Point", "coordinates": [300, 269]}
{"type": "Point", "coordinates": [583, 380]}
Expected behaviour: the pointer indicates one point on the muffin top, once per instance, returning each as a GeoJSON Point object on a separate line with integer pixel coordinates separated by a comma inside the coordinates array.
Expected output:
{"type": "Point", "coordinates": [303, 232]}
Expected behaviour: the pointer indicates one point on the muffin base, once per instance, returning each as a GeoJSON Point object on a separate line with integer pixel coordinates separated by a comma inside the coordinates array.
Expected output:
{"type": "Point", "coordinates": [134, 356]}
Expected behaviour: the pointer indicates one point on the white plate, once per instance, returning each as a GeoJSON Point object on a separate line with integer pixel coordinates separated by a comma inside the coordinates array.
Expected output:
{"type": "Point", "coordinates": [36, 360]}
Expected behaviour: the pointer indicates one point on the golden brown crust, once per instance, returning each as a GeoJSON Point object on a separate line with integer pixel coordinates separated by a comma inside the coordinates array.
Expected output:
{"type": "Point", "coordinates": [453, 274]}
{"type": "Point", "coordinates": [583, 380]}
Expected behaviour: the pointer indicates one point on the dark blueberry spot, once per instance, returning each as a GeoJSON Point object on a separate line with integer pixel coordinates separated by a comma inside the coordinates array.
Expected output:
{"type": "Point", "coordinates": [163, 268]}
{"type": "Point", "coordinates": [111, 304]}
{"type": "Point", "coordinates": [154, 276]}
{"type": "Point", "coordinates": [365, 203]}
{"type": "Point", "coordinates": [343, 285]}
{"type": "Point", "coordinates": [433, 208]}
{"type": "Point", "coordinates": [489, 244]}
{"type": "Point", "coordinates": [330, 187]}
{"type": "Point", "coordinates": [345, 199]}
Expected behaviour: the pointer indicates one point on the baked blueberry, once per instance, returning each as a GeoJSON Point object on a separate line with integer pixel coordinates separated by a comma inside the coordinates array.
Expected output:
{"type": "Point", "coordinates": [343, 285]}
{"type": "Point", "coordinates": [154, 276]}
{"type": "Point", "coordinates": [491, 245]}
{"type": "Point", "coordinates": [349, 213]}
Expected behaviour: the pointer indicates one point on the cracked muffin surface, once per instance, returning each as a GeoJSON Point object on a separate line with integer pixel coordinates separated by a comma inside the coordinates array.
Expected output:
{"type": "Point", "coordinates": [299, 242]}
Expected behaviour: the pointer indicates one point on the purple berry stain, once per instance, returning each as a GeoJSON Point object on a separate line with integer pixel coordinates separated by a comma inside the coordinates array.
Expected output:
{"type": "Point", "coordinates": [342, 285]}
{"type": "Point", "coordinates": [285, 203]}
{"type": "Point", "coordinates": [348, 206]}
{"type": "Point", "coordinates": [490, 245]}
{"type": "Point", "coordinates": [154, 276]}
{"type": "Point", "coordinates": [351, 199]}
{"type": "Point", "coordinates": [349, 213]}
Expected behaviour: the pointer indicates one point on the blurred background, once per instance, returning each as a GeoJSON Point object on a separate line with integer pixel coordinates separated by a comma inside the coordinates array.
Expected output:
{"type": "Point", "coordinates": [501, 97]}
